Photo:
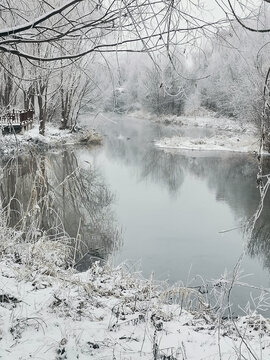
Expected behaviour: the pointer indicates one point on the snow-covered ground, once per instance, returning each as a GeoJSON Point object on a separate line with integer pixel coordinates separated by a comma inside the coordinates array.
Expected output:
{"type": "Point", "coordinates": [225, 142]}
{"type": "Point", "coordinates": [53, 137]}
{"type": "Point", "coordinates": [49, 312]}
{"type": "Point", "coordinates": [228, 135]}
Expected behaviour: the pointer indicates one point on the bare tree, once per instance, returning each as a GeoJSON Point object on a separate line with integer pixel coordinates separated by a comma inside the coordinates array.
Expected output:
{"type": "Point", "coordinates": [121, 23]}
{"type": "Point", "coordinates": [39, 32]}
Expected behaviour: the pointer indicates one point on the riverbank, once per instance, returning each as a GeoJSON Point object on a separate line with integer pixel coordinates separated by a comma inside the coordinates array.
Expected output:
{"type": "Point", "coordinates": [227, 135]}
{"type": "Point", "coordinates": [232, 142]}
{"type": "Point", "coordinates": [54, 137]}
{"type": "Point", "coordinates": [50, 312]}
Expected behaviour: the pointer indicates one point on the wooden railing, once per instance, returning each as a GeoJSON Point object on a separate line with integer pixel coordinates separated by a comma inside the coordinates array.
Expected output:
{"type": "Point", "coordinates": [17, 117]}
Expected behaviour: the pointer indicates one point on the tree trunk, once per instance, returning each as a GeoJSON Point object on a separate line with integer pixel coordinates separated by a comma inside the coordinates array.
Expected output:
{"type": "Point", "coordinates": [41, 116]}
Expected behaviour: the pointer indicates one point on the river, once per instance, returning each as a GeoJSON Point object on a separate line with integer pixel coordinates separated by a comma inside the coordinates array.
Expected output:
{"type": "Point", "coordinates": [169, 214]}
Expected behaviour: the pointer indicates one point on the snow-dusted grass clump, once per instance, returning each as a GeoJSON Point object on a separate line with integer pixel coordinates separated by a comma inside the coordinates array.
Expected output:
{"type": "Point", "coordinates": [90, 138]}
{"type": "Point", "coordinates": [49, 311]}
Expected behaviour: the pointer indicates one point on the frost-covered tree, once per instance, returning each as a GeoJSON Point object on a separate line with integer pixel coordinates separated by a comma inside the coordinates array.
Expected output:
{"type": "Point", "coordinates": [54, 27]}
{"type": "Point", "coordinates": [252, 18]}
{"type": "Point", "coordinates": [228, 78]}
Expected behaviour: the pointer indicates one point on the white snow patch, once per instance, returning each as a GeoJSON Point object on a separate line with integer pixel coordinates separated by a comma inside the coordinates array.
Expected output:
{"type": "Point", "coordinates": [229, 136]}
{"type": "Point", "coordinates": [53, 137]}
{"type": "Point", "coordinates": [240, 143]}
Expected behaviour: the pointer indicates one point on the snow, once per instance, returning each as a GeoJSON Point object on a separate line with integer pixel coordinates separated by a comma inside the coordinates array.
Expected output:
{"type": "Point", "coordinates": [31, 24]}
{"type": "Point", "coordinates": [235, 143]}
{"type": "Point", "coordinates": [218, 123]}
{"type": "Point", "coordinates": [229, 135]}
{"type": "Point", "coordinates": [49, 312]}
{"type": "Point", "coordinates": [54, 137]}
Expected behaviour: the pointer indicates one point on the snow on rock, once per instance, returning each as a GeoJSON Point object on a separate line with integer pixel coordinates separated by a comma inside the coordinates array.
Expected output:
{"type": "Point", "coordinates": [49, 312]}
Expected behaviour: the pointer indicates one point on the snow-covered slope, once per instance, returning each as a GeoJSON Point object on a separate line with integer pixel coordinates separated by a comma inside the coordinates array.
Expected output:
{"type": "Point", "coordinates": [47, 312]}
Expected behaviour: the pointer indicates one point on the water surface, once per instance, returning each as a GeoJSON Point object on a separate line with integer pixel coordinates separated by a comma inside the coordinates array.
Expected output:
{"type": "Point", "coordinates": [165, 212]}
{"type": "Point", "coordinates": [174, 206]}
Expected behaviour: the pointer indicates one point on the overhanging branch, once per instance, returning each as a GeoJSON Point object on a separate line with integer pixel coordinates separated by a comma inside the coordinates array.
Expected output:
{"type": "Point", "coordinates": [30, 25]}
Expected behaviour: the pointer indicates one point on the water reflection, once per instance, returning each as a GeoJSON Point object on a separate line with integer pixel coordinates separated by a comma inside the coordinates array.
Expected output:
{"type": "Point", "coordinates": [61, 197]}
{"type": "Point", "coordinates": [259, 229]}
{"type": "Point", "coordinates": [163, 168]}
{"type": "Point", "coordinates": [231, 177]}
{"type": "Point", "coordinates": [172, 203]}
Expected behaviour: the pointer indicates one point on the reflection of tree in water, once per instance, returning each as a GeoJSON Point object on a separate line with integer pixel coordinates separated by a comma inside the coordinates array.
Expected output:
{"type": "Point", "coordinates": [83, 202]}
{"type": "Point", "coordinates": [259, 244]}
{"type": "Point", "coordinates": [164, 168]}
{"type": "Point", "coordinates": [59, 194]}
{"type": "Point", "coordinates": [259, 232]}
{"type": "Point", "coordinates": [17, 195]}
{"type": "Point", "coordinates": [150, 163]}
{"type": "Point", "coordinates": [232, 178]}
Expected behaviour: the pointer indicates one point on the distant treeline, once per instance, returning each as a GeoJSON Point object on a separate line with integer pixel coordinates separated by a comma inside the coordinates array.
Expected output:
{"type": "Point", "coordinates": [225, 76]}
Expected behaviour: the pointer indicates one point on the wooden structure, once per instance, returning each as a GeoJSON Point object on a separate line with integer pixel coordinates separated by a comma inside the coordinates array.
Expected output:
{"type": "Point", "coordinates": [16, 121]}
